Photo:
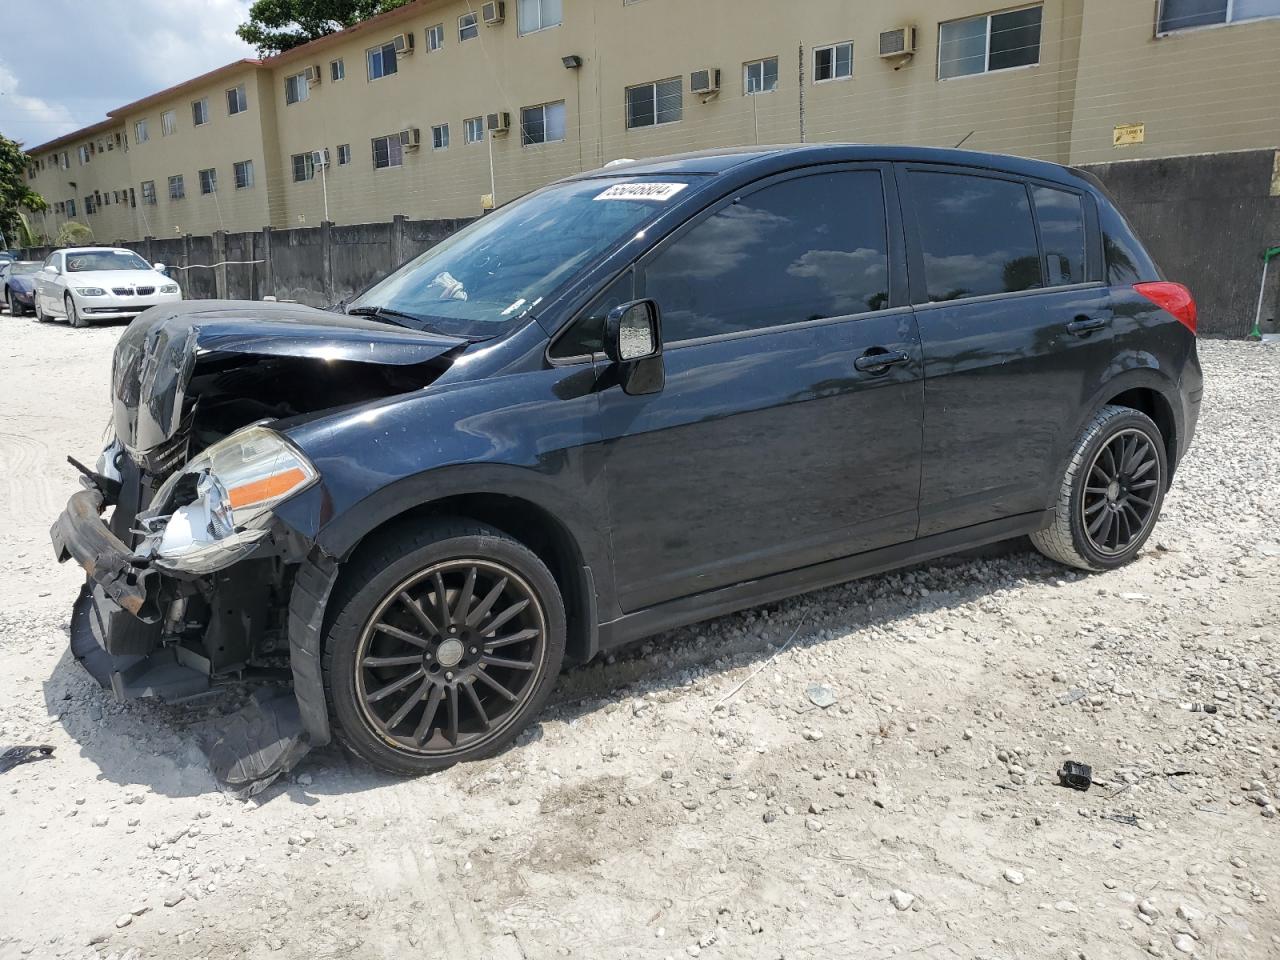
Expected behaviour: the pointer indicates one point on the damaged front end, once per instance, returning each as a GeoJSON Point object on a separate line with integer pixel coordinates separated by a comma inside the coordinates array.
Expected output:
{"type": "Point", "coordinates": [193, 580]}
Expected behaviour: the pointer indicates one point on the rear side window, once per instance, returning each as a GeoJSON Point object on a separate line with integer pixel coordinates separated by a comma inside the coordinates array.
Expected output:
{"type": "Point", "coordinates": [1061, 218]}
{"type": "Point", "coordinates": [799, 250]}
{"type": "Point", "coordinates": [1127, 262]}
{"type": "Point", "coordinates": [976, 234]}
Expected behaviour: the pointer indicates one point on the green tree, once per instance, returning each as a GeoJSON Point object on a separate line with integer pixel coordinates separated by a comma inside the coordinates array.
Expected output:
{"type": "Point", "coordinates": [15, 194]}
{"type": "Point", "coordinates": [278, 25]}
{"type": "Point", "coordinates": [73, 234]}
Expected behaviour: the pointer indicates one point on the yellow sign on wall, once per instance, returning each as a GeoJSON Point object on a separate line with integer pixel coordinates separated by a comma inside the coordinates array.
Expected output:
{"type": "Point", "coordinates": [1125, 134]}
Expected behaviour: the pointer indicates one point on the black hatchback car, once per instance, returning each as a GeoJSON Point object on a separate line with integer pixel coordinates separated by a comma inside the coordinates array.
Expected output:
{"type": "Point", "coordinates": [633, 399]}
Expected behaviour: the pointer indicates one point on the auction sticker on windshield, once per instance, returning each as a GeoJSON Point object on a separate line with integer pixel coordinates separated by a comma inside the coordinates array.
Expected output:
{"type": "Point", "coordinates": [642, 191]}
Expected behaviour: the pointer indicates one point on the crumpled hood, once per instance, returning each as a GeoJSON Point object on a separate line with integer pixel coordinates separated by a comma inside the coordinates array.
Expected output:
{"type": "Point", "coordinates": [157, 355]}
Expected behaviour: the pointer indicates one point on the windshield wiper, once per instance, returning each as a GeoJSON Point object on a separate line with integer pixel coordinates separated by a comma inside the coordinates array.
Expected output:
{"type": "Point", "coordinates": [386, 315]}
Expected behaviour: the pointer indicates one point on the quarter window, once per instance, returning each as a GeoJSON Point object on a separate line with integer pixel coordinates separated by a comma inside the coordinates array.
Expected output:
{"type": "Point", "coordinates": [177, 189]}
{"type": "Point", "coordinates": [296, 88]}
{"type": "Point", "coordinates": [200, 112]}
{"type": "Point", "coordinates": [337, 70]}
{"type": "Point", "coordinates": [1185, 14]}
{"type": "Point", "coordinates": [468, 27]}
{"type": "Point", "coordinates": [997, 41]}
{"type": "Point", "coordinates": [387, 152]}
{"type": "Point", "coordinates": [1060, 215]}
{"type": "Point", "coordinates": [473, 129]}
{"type": "Point", "coordinates": [760, 76]}
{"type": "Point", "coordinates": [382, 61]}
{"type": "Point", "coordinates": [537, 15]}
{"type": "Point", "coordinates": [237, 101]}
{"type": "Point", "coordinates": [440, 136]}
{"type": "Point", "coordinates": [243, 173]}
{"type": "Point", "coordinates": [543, 123]}
{"type": "Point", "coordinates": [833, 63]}
{"type": "Point", "coordinates": [976, 234]}
{"type": "Point", "coordinates": [649, 104]}
{"type": "Point", "coordinates": [344, 154]}
{"type": "Point", "coordinates": [435, 37]}
{"type": "Point", "coordinates": [800, 250]}
{"type": "Point", "coordinates": [168, 123]}
{"type": "Point", "coordinates": [208, 181]}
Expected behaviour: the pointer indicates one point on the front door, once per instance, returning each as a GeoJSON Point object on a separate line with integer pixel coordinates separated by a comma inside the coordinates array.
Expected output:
{"type": "Point", "coordinates": [775, 443]}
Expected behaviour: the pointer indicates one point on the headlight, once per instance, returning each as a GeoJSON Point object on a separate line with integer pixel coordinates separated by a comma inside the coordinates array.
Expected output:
{"type": "Point", "coordinates": [169, 288]}
{"type": "Point", "coordinates": [91, 291]}
{"type": "Point", "coordinates": [227, 488]}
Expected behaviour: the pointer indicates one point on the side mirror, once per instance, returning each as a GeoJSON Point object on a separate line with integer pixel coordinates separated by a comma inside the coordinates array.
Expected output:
{"type": "Point", "coordinates": [633, 341]}
{"type": "Point", "coordinates": [158, 267]}
{"type": "Point", "coordinates": [50, 269]}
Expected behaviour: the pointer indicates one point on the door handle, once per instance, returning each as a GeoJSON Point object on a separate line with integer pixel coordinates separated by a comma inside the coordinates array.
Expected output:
{"type": "Point", "coordinates": [873, 362]}
{"type": "Point", "coordinates": [1083, 326]}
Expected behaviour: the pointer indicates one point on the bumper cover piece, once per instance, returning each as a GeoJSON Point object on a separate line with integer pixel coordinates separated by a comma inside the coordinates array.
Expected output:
{"type": "Point", "coordinates": [259, 743]}
{"type": "Point", "coordinates": [81, 533]}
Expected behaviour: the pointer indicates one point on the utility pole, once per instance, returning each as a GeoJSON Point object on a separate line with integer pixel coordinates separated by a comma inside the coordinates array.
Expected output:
{"type": "Point", "coordinates": [324, 180]}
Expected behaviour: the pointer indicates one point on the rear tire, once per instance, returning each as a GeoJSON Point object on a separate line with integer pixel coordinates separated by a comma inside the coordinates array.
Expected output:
{"type": "Point", "coordinates": [1111, 493]}
{"type": "Point", "coordinates": [411, 690]}
{"type": "Point", "coordinates": [73, 314]}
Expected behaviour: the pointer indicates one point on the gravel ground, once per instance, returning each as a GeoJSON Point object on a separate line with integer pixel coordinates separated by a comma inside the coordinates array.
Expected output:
{"type": "Point", "coordinates": [690, 798]}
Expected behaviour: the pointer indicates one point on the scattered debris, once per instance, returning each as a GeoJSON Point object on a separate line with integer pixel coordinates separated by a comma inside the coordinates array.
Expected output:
{"type": "Point", "coordinates": [820, 695]}
{"type": "Point", "coordinates": [1071, 696]}
{"type": "Point", "coordinates": [1077, 776]}
{"type": "Point", "coordinates": [24, 754]}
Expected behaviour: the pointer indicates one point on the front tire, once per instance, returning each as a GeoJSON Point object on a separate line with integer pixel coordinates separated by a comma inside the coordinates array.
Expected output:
{"type": "Point", "coordinates": [1111, 493]}
{"type": "Point", "coordinates": [444, 644]}
{"type": "Point", "coordinates": [74, 316]}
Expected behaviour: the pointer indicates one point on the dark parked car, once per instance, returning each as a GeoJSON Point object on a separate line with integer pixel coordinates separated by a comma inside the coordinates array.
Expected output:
{"type": "Point", "coordinates": [633, 399]}
{"type": "Point", "coordinates": [18, 279]}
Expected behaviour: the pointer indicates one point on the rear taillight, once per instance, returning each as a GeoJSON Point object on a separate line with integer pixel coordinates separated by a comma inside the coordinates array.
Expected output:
{"type": "Point", "coordinates": [1173, 297]}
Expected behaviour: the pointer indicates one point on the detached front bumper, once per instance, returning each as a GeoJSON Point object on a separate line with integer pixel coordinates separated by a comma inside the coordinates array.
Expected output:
{"type": "Point", "coordinates": [81, 534]}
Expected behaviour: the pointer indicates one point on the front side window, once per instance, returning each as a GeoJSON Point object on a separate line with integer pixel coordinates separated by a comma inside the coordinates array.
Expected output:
{"type": "Point", "coordinates": [244, 174]}
{"type": "Point", "coordinates": [799, 250]}
{"type": "Point", "coordinates": [834, 62]}
{"type": "Point", "coordinates": [435, 37]}
{"type": "Point", "coordinates": [208, 181]}
{"type": "Point", "coordinates": [440, 136]}
{"type": "Point", "coordinates": [237, 100]}
{"type": "Point", "coordinates": [296, 89]}
{"type": "Point", "coordinates": [344, 154]}
{"type": "Point", "coordinates": [473, 129]}
{"type": "Point", "coordinates": [1185, 14]}
{"type": "Point", "coordinates": [997, 41]}
{"type": "Point", "coordinates": [168, 123]}
{"type": "Point", "coordinates": [304, 166]}
{"type": "Point", "coordinates": [177, 189]}
{"type": "Point", "coordinates": [760, 76]}
{"type": "Point", "coordinates": [200, 112]}
{"type": "Point", "coordinates": [382, 61]}
{"type": "Point", "coordinates": [148, 191]}
{"type": "Point", "coordinates": [543, 123]}
{"type": "Point", "coordinates": [337, 70]}
{"type": "Point", "coordinates": [976, 234]}
{"type": "Point", "coordinates": [539, 14]}
{"type": "Point", "coordinates": [1060, 215]}
{"type": "Point", "coordinates": [649, 104]}
{"type": "Point", "coordinates": [468, 26]}
{"type": "Point", "coordinates": [387, 152]}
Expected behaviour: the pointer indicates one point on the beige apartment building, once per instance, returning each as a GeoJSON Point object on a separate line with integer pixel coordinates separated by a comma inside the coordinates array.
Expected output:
{"type": "Point", "coordinates": [430, 109]}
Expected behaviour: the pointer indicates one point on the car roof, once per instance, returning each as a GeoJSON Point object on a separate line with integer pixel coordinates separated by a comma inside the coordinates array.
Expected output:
{"type": "Point", "coordinates": [96, 250]}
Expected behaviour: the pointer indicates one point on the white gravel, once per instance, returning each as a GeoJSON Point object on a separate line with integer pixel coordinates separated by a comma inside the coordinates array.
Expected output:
{"type": "Point", "coordinates": [650, 813]}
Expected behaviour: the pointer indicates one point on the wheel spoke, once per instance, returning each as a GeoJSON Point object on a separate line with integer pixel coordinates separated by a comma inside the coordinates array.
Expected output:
{"type": "Point", "coordinates": [1095, 528]}
{"type": "Point", "coordinates": [1133, 511]}
{"type": "Point", "coordinates": [1145, 484]}
{"type": "Point", "coordinates": [1111, 459]}
{"type": "Point", "coordinates": [399, 634]}
{"type": "Point", "coordinates": [482, 610]}
{"type": "Point", "coordinates": [1142, 469]}
{"type": "Point", "coordinates": [1121, 518]}
{"type": "Point", "coordinates": [494, 644]}
{"type": "Point", "coordinates": [504, 662]}
{"type": "Point", "coordinates": [419, 614]}
{"type": "Point", "coordinates": [442, 598]}
{"type": "Point", "coordinates": [503, 617]}
{"type": "Point", "coordinates": [410, 702]}
{"type": "Point", "coordinates": [452, 732]}
{"type": "Point", "coordinates": [465, 596]}
{"type": "Point", "coordinates": [429, 714]}
{"type": "Point", "coordinates": [496, 686]}
{"type": "Point", "coordinates": [477, 705]}
{"type": "Point", "coordinates": [1089, 511]}
{"type": "Point", "coordinates": [373, 663]}
{"type": "Point", "coordinates": [391, 688]}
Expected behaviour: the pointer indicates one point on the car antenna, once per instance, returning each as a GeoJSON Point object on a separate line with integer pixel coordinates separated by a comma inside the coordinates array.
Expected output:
{"type": "Point", "coordinates": [963, 139]}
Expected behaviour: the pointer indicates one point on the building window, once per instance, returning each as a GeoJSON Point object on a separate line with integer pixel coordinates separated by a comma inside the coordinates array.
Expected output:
{"type": "Point", "coordinates": [168, 123]}
{"type": "Point", "coordinates": [387, 152]}
{"type": "Point", "coordinates": [1186, 14]}
{"type": "Point", "coordinates": [382, 61]}
{"type": "Point", "coordinates": [834, 62]}
{"type": "Point", "coordinates": [997, 41]}
{"type": "Point", "coordinates": [90, 206]}
{"type": "Point", "coordinates": [149, 192]}
{"type": "Point", "coordinates": [243, 173]}
{"type": "Point", "coordinates": [468, 27]}
{"type": "Point", "coordinates": [83, 151]}
{"type": "Point", "coordinates": [435, 37]}
{"type": "Point", "coordinates": [199, 112]}
{"type": "Point", "coordinates": [304, 166]}
{"type": "Point", "coordinates": [208, 181]}
{"type": "Point", "coordinates": [237, 102]}
{"type": "Point", "coordinates": [337, 70]}
{"type": "Point", "coordinates": [543, 123]}
{"type": "Point", "coordinates": [760, 76]}
{"type": "Point", "coordinates": [296, 88]}
{"type": "Point", "coordinates": [653, 103]}
{"type": "Point", "coordinates": [440, 136]}
{"type": "Point", "coordinates": [177, 189]}
{"type": "Point", "coordinates": [473, 129]}
{"type": "Point", "coordinates": [71, 208]}
{"type": "Point", "coordinates": [344, 154]}
{"type": "Point", "coordinates": [537, 15]}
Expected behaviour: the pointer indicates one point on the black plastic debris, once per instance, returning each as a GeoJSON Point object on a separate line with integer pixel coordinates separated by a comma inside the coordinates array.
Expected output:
{"type": "Point", "coordinates": [257, 744]}
{"type": "Point", "coordinates": [24, 754]}
{"type": "Point", "coordinates": [1077, 776]}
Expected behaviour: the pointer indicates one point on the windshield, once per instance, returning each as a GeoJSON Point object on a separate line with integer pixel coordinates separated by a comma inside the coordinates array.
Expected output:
{"type": "Point", "coordinates": [503, 265]}
{"type": "Point", "coordinates": [105, 260]}
{"type": "Point", "coordinates": [23, 267]}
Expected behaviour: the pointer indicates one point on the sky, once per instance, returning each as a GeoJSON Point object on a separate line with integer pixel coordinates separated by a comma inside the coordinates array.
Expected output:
{"type": "Point", "coordinates": [85, 57]}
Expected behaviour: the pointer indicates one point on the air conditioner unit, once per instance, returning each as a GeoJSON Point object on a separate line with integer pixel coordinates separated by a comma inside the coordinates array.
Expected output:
{"type": "Point", "coordinates": [495, 11]}
{"type": "Point", "coordinates": [411, 139]}
{"type": "Point", "coordinates": [498, 123]}
{"type": "Point", "coordinates": [403, 42]}
{"type": "Point", "coordinates": [320, 158]}
{"type": "Point", "coordinates": [704, 81]}
{"type": "Point", "coordinates": [899, 42]}
{"type": "Point", "coordinates": [313, 75]}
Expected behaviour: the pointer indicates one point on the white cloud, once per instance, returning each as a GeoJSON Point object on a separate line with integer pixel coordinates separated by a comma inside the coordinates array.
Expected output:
{"type": "Point", "coordinates": [31, 119]}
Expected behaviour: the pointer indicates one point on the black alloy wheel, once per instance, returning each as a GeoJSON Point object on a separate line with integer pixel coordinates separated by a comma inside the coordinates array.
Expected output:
{"type": "Point", "coordinates": [1119, 495]}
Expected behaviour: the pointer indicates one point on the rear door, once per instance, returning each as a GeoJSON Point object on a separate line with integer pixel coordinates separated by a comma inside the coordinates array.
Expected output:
{"type": "Point", "coordinates": [774, 443]}
{"type": "Point", "coordinates": [1015, 327]}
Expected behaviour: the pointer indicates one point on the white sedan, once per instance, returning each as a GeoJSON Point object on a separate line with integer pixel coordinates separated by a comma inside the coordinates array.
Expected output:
{"type": "Point", "coordinates": [84, 284]}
